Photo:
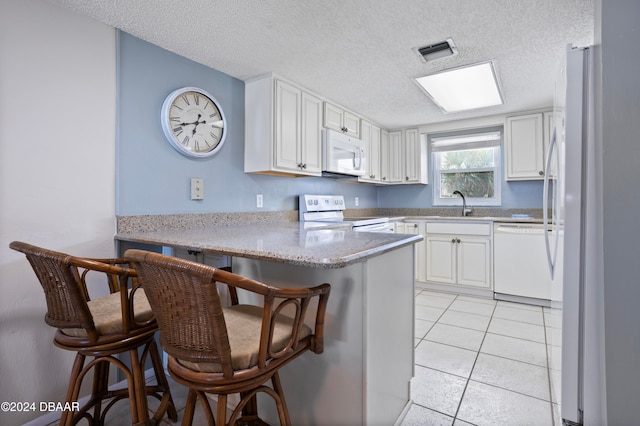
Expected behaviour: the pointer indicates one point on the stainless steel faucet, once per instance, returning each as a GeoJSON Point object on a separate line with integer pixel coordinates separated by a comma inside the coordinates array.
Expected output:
{"type": "Point", "coordinates": [465, 211]}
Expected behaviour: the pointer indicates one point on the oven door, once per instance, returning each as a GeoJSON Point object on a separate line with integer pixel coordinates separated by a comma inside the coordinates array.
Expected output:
{"type": "Point", "coordinates": [376, 227]}
{"type": "Point", "coordinates": [343, 154]}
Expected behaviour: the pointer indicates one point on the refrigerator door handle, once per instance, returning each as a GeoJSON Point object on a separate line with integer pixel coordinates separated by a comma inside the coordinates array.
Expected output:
{"type": "Point", "coordinates": [545, 203]}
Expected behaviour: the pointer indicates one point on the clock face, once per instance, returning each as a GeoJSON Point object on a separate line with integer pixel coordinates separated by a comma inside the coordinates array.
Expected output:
{"type": "Point", "coordinates": [193, 122]}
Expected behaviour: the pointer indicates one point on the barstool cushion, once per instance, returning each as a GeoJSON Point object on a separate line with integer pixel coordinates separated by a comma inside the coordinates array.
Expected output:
{"type": "Point", "coordinates": [107, 314]}
{"type": "Point", "coordinates": [244, 324]}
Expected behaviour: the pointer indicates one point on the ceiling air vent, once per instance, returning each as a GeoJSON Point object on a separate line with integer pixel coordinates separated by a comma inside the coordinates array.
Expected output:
{"type": "Point", "coordinates": [437, 50]}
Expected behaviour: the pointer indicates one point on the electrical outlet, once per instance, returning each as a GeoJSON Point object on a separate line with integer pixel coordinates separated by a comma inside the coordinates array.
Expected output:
{"type": "Point", "coordinates": [197, 188]}
{"type": "Point", "coordinates": [259, 200]}
{"type": "Point", "coordinates": [357, 201]}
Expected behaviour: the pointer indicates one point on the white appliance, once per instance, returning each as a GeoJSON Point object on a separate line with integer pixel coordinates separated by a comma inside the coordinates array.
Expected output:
{"type": "Point", "coordinates": [342, 154]}
{"type": "Point", "coordinates": [322, 209]}
{"type": "Point", "coordinates": [571, 193]}
{"type": "Point", "coordinates": [520, 248]}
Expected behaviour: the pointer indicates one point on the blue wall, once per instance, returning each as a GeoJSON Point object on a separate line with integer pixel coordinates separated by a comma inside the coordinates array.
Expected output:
{"type": "Point", "coordinates": [524, 195]}
{"type": "Point", "coordinates": [153, 178]}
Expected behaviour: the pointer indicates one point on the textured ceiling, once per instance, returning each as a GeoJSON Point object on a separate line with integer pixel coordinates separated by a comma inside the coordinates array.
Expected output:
{"type": "Point", "coordinates": [358, 53]}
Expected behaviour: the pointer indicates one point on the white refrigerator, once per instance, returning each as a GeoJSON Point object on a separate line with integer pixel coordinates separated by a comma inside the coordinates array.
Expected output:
{"type": "Point", "coordinates": [571, 191]}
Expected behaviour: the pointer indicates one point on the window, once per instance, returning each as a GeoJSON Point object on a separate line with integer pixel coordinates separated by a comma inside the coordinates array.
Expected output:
{"type": "Point", "coordinates": [468, 162]}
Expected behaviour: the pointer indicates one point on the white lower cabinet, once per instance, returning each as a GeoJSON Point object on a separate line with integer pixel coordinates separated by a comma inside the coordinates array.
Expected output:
{"type": "Point", "coordinates": [417, 228]}
{"type": "Point", "coordinates": [459, 254]}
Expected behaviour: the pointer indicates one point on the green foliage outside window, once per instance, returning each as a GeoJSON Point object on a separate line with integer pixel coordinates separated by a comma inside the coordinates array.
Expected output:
{"type": "Point", "coordinates": [469, 171]}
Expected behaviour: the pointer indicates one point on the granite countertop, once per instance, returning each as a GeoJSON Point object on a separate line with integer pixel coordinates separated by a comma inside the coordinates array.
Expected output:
{"type": "Point", "coordinates": [471, 219]}
{"type": "Point", "coordinates": [486, 214]}
{"type": "Point", "coordinates": [283, 242]}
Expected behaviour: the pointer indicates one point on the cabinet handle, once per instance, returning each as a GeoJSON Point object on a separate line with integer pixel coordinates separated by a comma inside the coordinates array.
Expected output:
{"type": "Point", "coordinates": [304, 166]}
{"type": "Point", "coordinates": [541, 173]}
{"type": "Point", "coordinates": [458, 240]}
{"type": "Point", "coordinates": [453, 241]}
{"type": "Point", "coordinates": [406, 178]}
{"type": "Point", "coordinates": [384, 178]}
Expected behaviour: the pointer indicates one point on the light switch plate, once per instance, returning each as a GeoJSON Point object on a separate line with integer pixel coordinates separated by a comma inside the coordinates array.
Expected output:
{"type": "Point", "coordinates": [197, 188]}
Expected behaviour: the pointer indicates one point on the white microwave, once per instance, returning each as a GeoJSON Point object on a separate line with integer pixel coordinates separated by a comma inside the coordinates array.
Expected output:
{"type": "Point", "coordinates": [343, 154]}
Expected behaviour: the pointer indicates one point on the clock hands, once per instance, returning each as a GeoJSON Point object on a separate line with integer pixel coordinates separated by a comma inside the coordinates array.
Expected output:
{"type": "Point", "coordinates": [219, 124]}
{"type": "Point", "coordinates": [195, 122]}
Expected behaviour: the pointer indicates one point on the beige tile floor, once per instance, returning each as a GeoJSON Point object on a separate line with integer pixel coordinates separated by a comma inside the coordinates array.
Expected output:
{"type": "Point", "coordinates": [481, 362]}
{"type": "Point", "coordinates": [477, 362]}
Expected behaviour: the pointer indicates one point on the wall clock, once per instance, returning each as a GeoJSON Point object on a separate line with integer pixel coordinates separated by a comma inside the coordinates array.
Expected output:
{"type": "Point", "coordinates": [193, 122]}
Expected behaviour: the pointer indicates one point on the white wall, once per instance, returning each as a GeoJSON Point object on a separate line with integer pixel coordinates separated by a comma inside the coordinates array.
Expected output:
{"type": "Point", "coordinates": [57, 154]}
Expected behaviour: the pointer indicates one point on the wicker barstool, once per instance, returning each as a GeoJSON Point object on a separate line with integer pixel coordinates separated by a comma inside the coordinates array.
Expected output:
{"type": "Point", "coordinates": [232, 350]}
{"type": "Point", "coordinates": [119, 323]}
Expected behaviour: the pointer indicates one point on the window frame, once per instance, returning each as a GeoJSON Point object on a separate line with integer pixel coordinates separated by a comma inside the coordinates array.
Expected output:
{"type": "Point", "coordinates": [478, 138]}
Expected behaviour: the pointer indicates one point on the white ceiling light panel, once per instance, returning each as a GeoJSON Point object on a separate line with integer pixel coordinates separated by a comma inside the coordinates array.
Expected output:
{"type": "Point", "coordinates": [461, 89]}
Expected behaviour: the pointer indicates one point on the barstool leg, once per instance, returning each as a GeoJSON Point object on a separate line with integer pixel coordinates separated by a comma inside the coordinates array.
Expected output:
{"type": "Point", "coordinates": [166, 403]}
{"type": "Point", "coordinates": [67, 416]}
{"type": "Point", "coordinates": [283, 411]}
{"type": "Point", "coordinates": [139, 412]}
{"type": "Point", "coordinates": [189, 408]}
{"type": "Point", "coordinates": [100, 387]}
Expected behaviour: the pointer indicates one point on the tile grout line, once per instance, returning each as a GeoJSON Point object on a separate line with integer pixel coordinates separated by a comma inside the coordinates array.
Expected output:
{"type": "Point", "coordinates": [466, 385]}
{"type": "Point", "coordinates": [485, 333]}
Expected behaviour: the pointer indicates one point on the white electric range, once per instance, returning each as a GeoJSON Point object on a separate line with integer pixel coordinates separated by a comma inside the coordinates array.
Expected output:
{"type": "Point", "coordinates": [316, 210]}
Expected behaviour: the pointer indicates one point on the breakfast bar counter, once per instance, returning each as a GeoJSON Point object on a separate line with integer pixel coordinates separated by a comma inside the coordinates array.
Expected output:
{"type": "Point", "coordinates": [283, 242]}
{"type": "Point", "coordinates": [363, 376]}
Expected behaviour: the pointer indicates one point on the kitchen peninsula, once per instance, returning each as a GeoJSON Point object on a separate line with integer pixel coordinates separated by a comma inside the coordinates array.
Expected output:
{"type": "Point", "coordinates": [363, 376]}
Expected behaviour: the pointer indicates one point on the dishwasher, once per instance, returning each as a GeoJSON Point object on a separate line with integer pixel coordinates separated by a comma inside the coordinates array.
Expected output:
{"type": "Point", "coordinates": [520, 262]}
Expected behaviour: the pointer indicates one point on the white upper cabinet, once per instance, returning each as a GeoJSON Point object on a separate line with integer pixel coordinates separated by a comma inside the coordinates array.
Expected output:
{"type": "Point", "coordinates": [396, 157]}
{"type": "Point", "coordinates": [415, 158]}
{"type": "Point", "coordinates": [283, 125]}
{"type": "Point", "coordinates": [370, 135]}
{"type": "Point", "coordinates": [405, 158]}
{"type": "Point", "coordinates": [339, 119]}
{"type": "Point", "coordinates": [524, 147]}
{"type": "Point", "coordinates": [384, 156]}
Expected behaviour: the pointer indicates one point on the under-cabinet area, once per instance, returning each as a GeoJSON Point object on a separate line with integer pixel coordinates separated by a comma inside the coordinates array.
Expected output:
{"type": "Point", "coordinates": [487, 258]}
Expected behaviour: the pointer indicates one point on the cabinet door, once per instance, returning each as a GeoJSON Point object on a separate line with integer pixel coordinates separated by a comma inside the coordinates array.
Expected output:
{"type": "Point", "coordinates": [287, 123]}
{"type": "Point", "coordinates": [333, 117]}
{"type": "Point", "coordinates": [351, 123]}
{"type": "Point", "coordinates": [374, 154]}
{"type": "Point", "coordinates": [418, 228]}
{"type": "Point", "coordinates": [366, 139]}
{"type": "Point", "coordinates": [441, 258]}
{"type": "Point", "coordinates": [411, 156]}
{"type": "Point", "coordinates": [384, 157]}
{"type": "Point", "coordinates": [311, 128]}
{"type": "Point", "coordinates": [395, 157]}
{"type": "Point", "coordinates": [474, 261]}
{"type": "Point", "coordinates": [524, 147]}
{"type": "Point", "coordinates": [371, 138]}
